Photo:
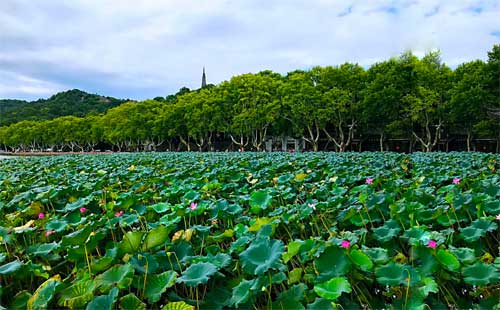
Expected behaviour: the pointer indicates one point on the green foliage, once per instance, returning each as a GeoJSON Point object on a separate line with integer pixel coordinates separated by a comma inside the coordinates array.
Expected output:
{"type": "Point", "coordinates": [72, 102]}
{"type": "Point", "coordinates": [197, 274]}
{"type": "Point", "coordinates": [318, 237]}
{"type": "Point", "coordinates": [333, 288]}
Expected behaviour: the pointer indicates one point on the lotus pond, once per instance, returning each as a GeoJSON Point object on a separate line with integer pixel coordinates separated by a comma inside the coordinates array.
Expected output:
{"type": "Point", "coordinates": [250, 230]}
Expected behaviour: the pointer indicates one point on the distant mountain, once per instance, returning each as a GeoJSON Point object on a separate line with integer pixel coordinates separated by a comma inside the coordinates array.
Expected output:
{"type": "Point", "coordinates": [72, 102]}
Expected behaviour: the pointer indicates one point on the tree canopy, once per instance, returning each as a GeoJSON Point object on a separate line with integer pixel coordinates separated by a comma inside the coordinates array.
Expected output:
{"type": "Point", "coordinates": [418, 100]}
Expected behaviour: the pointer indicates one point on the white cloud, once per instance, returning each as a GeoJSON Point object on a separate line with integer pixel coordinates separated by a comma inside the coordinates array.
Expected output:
{"type": "Point", "coordinates": [130, 49]}
{"type": "Point", "coordinates": [16, 84]}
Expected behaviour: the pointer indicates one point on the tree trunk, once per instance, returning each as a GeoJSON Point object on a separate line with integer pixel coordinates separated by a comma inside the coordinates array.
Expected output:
{"type": "Point", "coordinates": [469, 138]}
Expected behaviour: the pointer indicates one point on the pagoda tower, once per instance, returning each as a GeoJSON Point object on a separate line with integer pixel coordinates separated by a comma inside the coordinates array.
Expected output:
{"type": "Point", "coordinates": [203, 79]}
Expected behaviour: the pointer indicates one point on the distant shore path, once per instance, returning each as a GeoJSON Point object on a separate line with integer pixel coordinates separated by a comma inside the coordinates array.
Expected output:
{"type": "Point", "coordinates": [10, 155]}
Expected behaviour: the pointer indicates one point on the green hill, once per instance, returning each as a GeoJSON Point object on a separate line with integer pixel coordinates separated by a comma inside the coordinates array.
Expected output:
{"type": "Point", "coordinates": [72, 102]}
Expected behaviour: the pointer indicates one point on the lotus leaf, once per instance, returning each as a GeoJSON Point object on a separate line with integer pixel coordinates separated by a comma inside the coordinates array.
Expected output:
{"type": "Point", "coordinates": [104, 302]}
{"type": "Point", "coordinates": [197, 274]}
{"type": "Point", "coordinates": [78, 294]}
{"type": "Point", "coordinates": [11, 267]}
{"type": "Point", "coordinates": [480, 274]}
{"type": "Point", "coordinates": [178, 305]}
{"type": "Point", "coordinates": [44, 294]}
{"type": "Point", "coordinates": [332, 263]}
{"type": "Point", "coordinates": [131, 302]}
{"type": "Point", "coordinates": [156, 285]}
{"type": "Point", "coordinates": [387, 232]}
{"type": "Point", "coordinates": [260, 200]}
{"type": "Point", "coordinates": [333, 288]}
{"type": "Point", "coordinates": [119, 276]}
{"type": "Point", "coordinates": [241, 292]}
{"type": "Point", "coordinates": [156, 237]}
{"type": "Point", "coordinates": [262, 255]}
{"type": "Point", "coordinates": [42, 249]}
{"type": "Point", "coordinates": [448, 260]}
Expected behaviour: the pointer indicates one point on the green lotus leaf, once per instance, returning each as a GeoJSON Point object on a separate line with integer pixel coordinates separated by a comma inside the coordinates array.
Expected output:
{"type": "Point", "coordinates": [119, 276]}
{"type": "Point", "coordinates": [43, 294]}
{"type": "Point", "coordinates": [262, 255]}
{"type": "Point", "coordinates": [392, 274]}
{"type": "Point", "coordinates": [290, 299]}
{"type": "Point", "coordinates": [178, 305]}
{"type": "Point", "coordinates": [100, 264]}
{"type": "Point", "coordinates": [156, 237]}
{"type": "Point", "coordinates": [361, 260]}
{"type": "Point", "coordinates": [11, 267]}
{"type": "Point", "coordinates": [387, 232]}
{"type": "Point", "coordinates": [228, 233]}
{"type": "Point", "coordinates": [294, 293]}
{"type": "Point", "coordinates": [145, 263]}
{"type": "Point", "coordinates": [430, 286]}
{"type": "Point", "coordinates": [221, 260]}
{"type": "Point", "coordinates": [480, 274]}
{"type": "Point", "coordinates": [156, 285]}
{"type": "Point", "coordinates": [42, 249]}
{"type": "Point", "coordinates": [81, 202]}
{"type": "Point", "coordinates": [414, 235]}
{"type": "Point", "coordinates": [378, 255]}
{"type": "Point", "coordinates": [332, 263]}
{"type": "Point", "coordinates": [56, 225]}
{"type": "Point", "coordinates": [471, 234]}
{"type": "Point", "coordinates": [321, 304]}
{"type": "Point", "coordinates": [131, 241]}
{"type": "Point", "coordinates": [465, 255]}
{"type": "Point", "coordinates": [333, 288]}
{"type": "Point", "coordinates": [241, 292]}
{"type": "Point", "coordinates": [259, 223]}
{"type": "Point", "coordinates": [104, 302]}
{"type": "Point", "coordinates": [484, 224]}
{"type": "Point", "coordinates": [161, 207]}
{"type": "Point", "coordinates": [292, 249]}
{"type": "Point", "coordinates": [78, 294]}
{"type": "Point", "coordinates": [131, 302]}
{"type": "Point", "coordinates": [295, 275]}
{"type": "Point", "coordinates": [260, 200]}
{"type": "Point", "coordinates": [78, 237]}
{"type": "Point", "coordinates": [448, 260]}
{"type": "Point", "coordinates": [197, 274]}
{"type": "Point", "coordinates": [20, 301]}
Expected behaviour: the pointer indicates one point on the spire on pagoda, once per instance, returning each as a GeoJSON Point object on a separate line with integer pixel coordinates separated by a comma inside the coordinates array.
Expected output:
{"type": "Point", "coordinates": [203, 79]}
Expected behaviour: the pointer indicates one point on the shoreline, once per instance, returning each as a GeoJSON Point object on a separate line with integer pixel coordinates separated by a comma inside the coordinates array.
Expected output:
{"type": "Point", "coordinates": [25, 154]}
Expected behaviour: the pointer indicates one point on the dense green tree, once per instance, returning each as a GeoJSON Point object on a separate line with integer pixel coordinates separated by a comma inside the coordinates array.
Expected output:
{"type": "Point", "coordinates": [421, 101]}
{"type": "Point", "coordinates": [305, 110]}
{"type": "Point", "coordinates": [381, 102]}
{"type": "Point", "coordinates": [469, 98]}
{"type": "Point", "coordinates": [72, 102]}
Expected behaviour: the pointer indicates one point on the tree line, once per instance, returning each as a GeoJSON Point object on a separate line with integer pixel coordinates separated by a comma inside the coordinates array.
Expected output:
{"type": "Point", "coordinates": [419, 100]}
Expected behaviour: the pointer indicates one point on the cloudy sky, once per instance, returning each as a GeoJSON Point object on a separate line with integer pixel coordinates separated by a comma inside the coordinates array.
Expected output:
{"type": "Point", "coordinates": [142, 49]}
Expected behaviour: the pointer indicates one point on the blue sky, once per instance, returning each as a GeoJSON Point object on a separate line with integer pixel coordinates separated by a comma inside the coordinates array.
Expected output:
{"type": "Point", "coordinates": [142, 49]}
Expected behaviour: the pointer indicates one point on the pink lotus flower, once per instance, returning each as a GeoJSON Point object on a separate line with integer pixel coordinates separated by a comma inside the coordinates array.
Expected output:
{"type": "Point", "coordinates": [41, 215]}
{"type": "Point", "coordinates": [369, 181]}
{"type": "Point", "coordinates": [49, 232]}
{"type": "Point", "coordinates": [456, 180]}
{"type": "Point", "coordinates": [498, 217]}
{"type": "Point", "coordinates": [345, 244]}
{"type": "Point", "coordinates": [432, 244]}
{"type": "Point", "coordinates": [193, 206]}
{"type": "Point", "coordinates": [83, 209]}
{"type": "Point", "coordinates": [312, 206]}
{"type": "Point", "coordinates": [119, 213]}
